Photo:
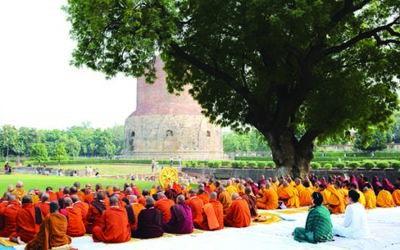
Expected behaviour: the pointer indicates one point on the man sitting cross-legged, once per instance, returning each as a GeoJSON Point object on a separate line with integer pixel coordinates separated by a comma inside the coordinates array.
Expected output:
{"type": "Point", "coordinates": [76, 227]}
{"type": "Point", "coordinates": [238, 214]}
{"type": "Point", "coordinates": [181, 221]}
{"type": "Point", "coordinates": [28, 220]}
{"type": "Point", "coordinates": [149, 222]}
{"type": "Point", "coordinates": [213, 215]}
{"type": "Point", "coordinates": [52, 232]}
{"type": "Point", "coordinates": [115, 223]}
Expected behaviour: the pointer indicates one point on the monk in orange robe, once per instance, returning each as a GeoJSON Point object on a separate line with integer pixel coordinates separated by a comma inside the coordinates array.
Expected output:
{"type": "Point", "coordinates": [153, 191]}
{"type": "Point", "coordinates": [269, 198]}
{"type": "Point", "coordinates": [60, 193]}
{"type": "Point", "coordinates": [325, 194]}
{"type": "Point", "coordinates": [52, 195]}
{"type": "Point", "coordinates": [177, 187]}
{"type": "Point", "coordinates": [75, 227]}
{"type": "Point", "coordinates": [288, 195]}
{"type": "Point", "coordinates": [115, 223]}
{"type": "Point", "coordinates": [52, 232]}
{"type": "Point", "coordinates": [370, 197]}
{"type": "Point", "coordinates": [196, 205]}
{"type": "Point", "coordinates": [19, 191]}
{"type": "Point", "coordinates": [361, 200]}
{"type": "Point", "coordinates": [305, 192]}
{"type": "Point", "coordinates": [336, 201]}
{"type": "Point", "coordinates": [225, 198]}
{"type": "Point", "coordinates": [396, 196]}
{"type": "Point", "coordinates": [28, 221]}
{"type": "Point", "coordinates": [142, 199]}
{"type": "Point", "coordinates": [95, 212]}
{"type": "Point", "coordinates": [83, 206]}
{"type": "Point", "coordinates": [238, 214]}
{"type": "Point", "coordinates": [203, 194]}
{"type": "Point", "coordinates": [133, 210]}
{"type": "Point", "coordinates": [384, 198]}
{"type": "Point", "coordinates": [164, 205]}
{"type": "Point", "coordinates": [44, 204]}
{"type": "Point", "coordinates": [231, 188]}
{"type": "Point", "coordinates": [10, 216]}
{"type": "Point", "coordinates": [213, 215]}
{"type": "Point", "coordinates": [3, 205]}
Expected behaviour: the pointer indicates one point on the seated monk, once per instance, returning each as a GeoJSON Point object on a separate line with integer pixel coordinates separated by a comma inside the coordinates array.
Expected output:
{"type": "Point", "coordinates": [396, 195]}
{"type": "Point", "coordinates": [325, 193]}
{"type": "Point", "coordinates": [3, 205]}
{"type": "Point", "coordinates": [75, 227]}
{"type": "Point", "coordinates": [170, 193]}
{"type": "Point", "coordinates": [83, 206]}
{"type": "Point", "coordinates": [142, 199]}
{"type": "Point", "coordinates": [10, 216]}
{"type": "Point", "coordinates": [181, 218]}
{"type": "Point", "coordinates": [95, 212]}
{"type": "Point", "coordinates": [225, 198]}
{"type": "Point", "coordinates": [268, 198]}
{"type": "Point", "coordinates": [336, 201]}
{"type": "Point", "coordinates": [196, 205]}
{"type": "Point", "coordinates": [370, 197]}
{"type": "Point", "coordinates": [203, 194]}
{"type": "Point", "coordinates": [288, 194]}
{"type": "Point", "coordinates": [115, 223]}
{"type": "Point", "coordinates": [44, 204]}
{"type": "Point", "coordinates": [52, 195]}
{"type": "Point", "coordinates": [28, 221]}
{"type": "Point", "coordinates": [384, 198]}
{"type": "Point", "coordinates": [149, 222]}
{"type": "Point", "coordinates": [361, 200]}
{"type": "Point", "coordinates": [238, 214]}
{"type": "Point", "coordinates": [304, 191]}
{"type": "Point", "coordinates": [133, 210]}
{"type": "Point", "coordinates": [213, 215]}
{"type": "Point", "coordinates": [19, 191]}
{"type": "Point", "coordinates": [251, 200]}
{"type": "Point", "coordinates": [52, 232]}
{"type": "Point", "coordinates": [164, 205]}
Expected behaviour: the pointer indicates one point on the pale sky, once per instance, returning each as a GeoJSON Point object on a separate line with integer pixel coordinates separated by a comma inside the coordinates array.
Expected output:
{"type": "Point", "coordinates": [38, 87]}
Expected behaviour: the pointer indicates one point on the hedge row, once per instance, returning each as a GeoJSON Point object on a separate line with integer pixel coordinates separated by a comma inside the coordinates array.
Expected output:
{"type": "Point", "coordinates": [366, 164]}
{"type": "Point", "coordinates": [230, 164]}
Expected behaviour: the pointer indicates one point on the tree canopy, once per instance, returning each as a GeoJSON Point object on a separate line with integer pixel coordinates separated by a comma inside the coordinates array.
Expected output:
{"type": "Point", "coordinates": [276, 65]}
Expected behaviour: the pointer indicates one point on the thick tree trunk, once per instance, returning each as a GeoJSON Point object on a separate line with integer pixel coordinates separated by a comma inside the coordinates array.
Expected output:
{"type": "Point", "coordinates": [292, 157]}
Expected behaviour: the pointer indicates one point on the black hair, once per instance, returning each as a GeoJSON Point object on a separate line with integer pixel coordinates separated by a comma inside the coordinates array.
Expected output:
{"type": "Point", "coordinates": [354, 195]}
{"type": "Point", "coordinates": [318, 198]}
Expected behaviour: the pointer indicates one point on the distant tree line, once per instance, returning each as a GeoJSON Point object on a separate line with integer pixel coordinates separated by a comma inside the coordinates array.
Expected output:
{"type": "Point", "coordinates": [77, 141]}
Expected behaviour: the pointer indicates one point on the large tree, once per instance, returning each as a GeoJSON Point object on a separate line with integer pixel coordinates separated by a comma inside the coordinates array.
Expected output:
{"type": "Point", "coordinates": [271, 64]}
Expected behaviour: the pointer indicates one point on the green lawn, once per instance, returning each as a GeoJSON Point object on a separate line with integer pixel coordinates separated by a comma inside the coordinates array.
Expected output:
{"type": "Point", "coordinates": [41, 181]}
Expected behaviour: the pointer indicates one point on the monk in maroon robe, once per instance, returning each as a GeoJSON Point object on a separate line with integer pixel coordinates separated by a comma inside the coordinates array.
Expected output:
{"type": "Point", "coordinates": [181, 218]}
{"type": "Point", "coordinates": [150, 222]}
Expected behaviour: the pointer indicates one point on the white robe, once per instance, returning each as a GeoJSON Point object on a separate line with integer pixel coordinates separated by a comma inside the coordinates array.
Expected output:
{"type": "Point", "coordinates": [355, 223]}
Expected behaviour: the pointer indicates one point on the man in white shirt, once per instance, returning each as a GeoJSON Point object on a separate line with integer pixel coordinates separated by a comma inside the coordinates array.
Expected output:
{"type": "Point", "coordinates": [355, 220]}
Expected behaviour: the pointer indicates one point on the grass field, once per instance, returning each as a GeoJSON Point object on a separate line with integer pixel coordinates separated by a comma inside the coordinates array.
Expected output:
{"type": "Point", "coordinates": [41, 181]}
{"type": "Point", "coordinates": [111, 169]}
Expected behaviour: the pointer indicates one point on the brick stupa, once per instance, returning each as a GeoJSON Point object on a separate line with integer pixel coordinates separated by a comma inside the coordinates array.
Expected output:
{"type": "Point", "coordinates": [166, 126]}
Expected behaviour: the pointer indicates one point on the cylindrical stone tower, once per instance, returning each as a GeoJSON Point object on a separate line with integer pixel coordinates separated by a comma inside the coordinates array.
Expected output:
{"type": "Point", "coordinates": [166, 126]}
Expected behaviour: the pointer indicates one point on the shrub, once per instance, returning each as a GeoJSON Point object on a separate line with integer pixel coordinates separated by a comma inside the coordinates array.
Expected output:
{"type": "Point", "coordinates": [328, 166]}
{"type": "Point", "coordinates": [396, 165]}
{"type": "Point", "coordinates": [235, 164]}
{"type": "Point", "coordinates": [382, 165]}
{"type": "Point", "coordinates": [252, 164]}
{"type": "Point", "coordinates": [270, 164]}
{"type": "Point", "coordinates": [194, 164]}
{"type": "Point", "coordinates": [354, 165]}
{"type": "Point", "coordinates": [369, 165]}
{"type": "Point", "coordinates": [261, 164]}
{"type": "Point", "coordinates": [315, 165]}
{"type": "Point", "coordinates": [242, 164]}
{"type": "Point", "coordinates": [340, 165]}
{"type": "Point", "coordinates": [225, 163]}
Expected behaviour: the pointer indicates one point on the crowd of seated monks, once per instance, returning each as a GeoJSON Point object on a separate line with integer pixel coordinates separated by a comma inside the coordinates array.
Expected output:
{"type": "Point", "coordinates": [49, 219]}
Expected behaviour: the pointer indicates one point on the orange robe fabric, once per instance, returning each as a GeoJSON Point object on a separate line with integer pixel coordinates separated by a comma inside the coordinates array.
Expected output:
{"type": "Point", "coordinates": [84, 210]}
{"type": "Point", "coordinates": [52, 233]}
{"type": "Point", "coordinates": [362, 197]}
{"type": "Point", "coordinates": [226, 200]}
{"type": "Point", "coordinates": [164, 205]}
{"type": "Point", "coordinates": [89, 197]}
{"type": "Point", "coordinates": [44, 207]}
{"type": "Point", "coordinates": [196, 205]}
{"type": "Point", "coordinates": [336, 201]}
{"type": "Point", "coordinates": [325, 194]}
{"type": "Point", "coordinates": [26, 224]}
{"type": "Point", "coordinates": [75, 223]}
{"type": "Point", "coordinates": [116, 226]}
{"type": "Point", "coordinates": [269, 200]}
{"type": "Point", "coordinates": [19, 193]}
{"type": "Point", "coordinates": [304, 195]}
{"type": "Point", "coordinates": [289, 196]}
{"type": "Point", "coordinates": [396, 197]}
{"type": "Point", "coordinates": [231, 189]}
{"type": "Point", "coordinates": [204, 197]}
{"type": "Point", "coordinates": [94, 216]}
{"type": "Point", "coordinates": [384, 199]}
{"type": "Point", "coordinates": [238, 214]}
{"type": "Point", "coordinates": [10, 218]}
{"type": "Point", "coordinates": [52, 196]}
{"type": "Point", "coordinates": [370, 199]}
{"type": "Point", "coordinates": [3, 206]}
{"type": "Point", "coordinates": [136, 208]}
{"type": "Point", "coordinates": [213, 216]}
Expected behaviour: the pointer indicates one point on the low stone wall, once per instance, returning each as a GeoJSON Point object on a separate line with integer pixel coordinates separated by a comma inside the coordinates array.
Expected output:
{"type": "Point", "coordinates": [255, 174]}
